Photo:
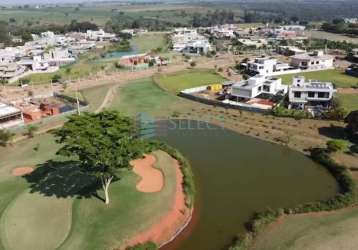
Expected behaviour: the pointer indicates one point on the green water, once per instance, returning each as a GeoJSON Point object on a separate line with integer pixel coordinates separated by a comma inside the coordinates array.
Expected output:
{"type": "Point", "coordinates": [237, 175]}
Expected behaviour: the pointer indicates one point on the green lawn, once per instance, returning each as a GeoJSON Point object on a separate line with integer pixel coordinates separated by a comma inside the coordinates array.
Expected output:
{"type": "Point", "coordinates": [144, 96]}
{"type": "Point", "coordinates": [176, 82]}
{"type": "Point", "coordinates": [147, 42]}
{"type": "Point", "coordinates": [95, 96]}
{"type": "Point", "coordinates": [339, 78]}
{"type": "Point", "coordinates": [349, 101]}
{"type": "Point", "coordinates": [334, 231]}
{"type": "Point", "coordinates": [33, 220]}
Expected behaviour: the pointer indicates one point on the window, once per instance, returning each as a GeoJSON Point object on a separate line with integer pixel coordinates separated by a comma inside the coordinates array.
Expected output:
{"type": "Point", "coordinates": [266, 88]}
{"type": "Point", "coordinates": [311, 94]}
{"type": "Point", "coordinates": [260, 88]}
{"type": "Point", "coordinates": [297, 94]}
{"type": "Point", "coordinates": [323, 95]}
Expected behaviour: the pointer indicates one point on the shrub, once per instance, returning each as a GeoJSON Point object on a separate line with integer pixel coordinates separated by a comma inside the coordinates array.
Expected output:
{"type": "Point", "coordinates": [354, 149]}
{"type": "Point", "coordinates": [56, 78]}
{"type": "Point", "coordinates": [192, 64]}
{"type": "Point", "coordinates": [145, 246]}
{"type": "Point", "coordinates": [336, 145]}
{"type": "Point", "coordinates": [31, 129]}
{"type": "Point", "coordinates": [5, 137]}
{"type": "Point", "coordinates": [293, 113]}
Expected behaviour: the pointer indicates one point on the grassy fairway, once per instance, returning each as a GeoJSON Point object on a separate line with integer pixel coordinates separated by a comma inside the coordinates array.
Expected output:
{"type": "Point", "coordinates": [335, 231]}
{"type": "Point", "coordinates": [339, 78]}
{"type": "Point", "coordinates": [188, 79]}
{"type": "Point", "coordinates": [96, 226]}
{"type": "Point", "coordinates": [143, 96]}
{"type": "Point", "coordinates": [147, 42]}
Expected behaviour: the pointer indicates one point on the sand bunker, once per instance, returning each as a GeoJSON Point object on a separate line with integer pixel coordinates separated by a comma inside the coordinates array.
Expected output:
{"type": "Point", "coordinates": [152, 179]}
{"type": "Point", "coordinates": [21, 171]}
{"type": "Point", "coordinates": [171, 223]}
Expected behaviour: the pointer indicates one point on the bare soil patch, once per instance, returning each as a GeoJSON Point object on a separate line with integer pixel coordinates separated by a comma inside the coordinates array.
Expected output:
{"type": "Point", "coordinates": [22, 171]}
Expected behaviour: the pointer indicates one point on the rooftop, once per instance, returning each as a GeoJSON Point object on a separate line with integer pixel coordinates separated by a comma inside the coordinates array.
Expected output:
{"type": "Point", "coordinates": [7, 110]}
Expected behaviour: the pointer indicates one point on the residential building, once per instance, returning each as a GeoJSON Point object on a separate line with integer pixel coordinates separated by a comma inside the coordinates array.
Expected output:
{"type": "Point", "coordinates": [308, 94]}
{"type": "Point", "coordinates": [257, 85]}
{"type": "Point", "coordinates": [59, 57]}
{"type": "Point", "coordinates": [10, 116]}
{"type": "Point", "coordinates": [190, 41]}
{"type": "Point", "coordinates": [99, 35]}
{"type": "Point", "coordinates": [269, 67]}
{"type": "Point", "coordinates": [10, 71]}
{"type": "Point", "coordinates": [312, 61]}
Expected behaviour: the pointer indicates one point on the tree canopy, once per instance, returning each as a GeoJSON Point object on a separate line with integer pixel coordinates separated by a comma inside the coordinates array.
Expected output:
{"type": "Point", "coordinates": [104, 143]}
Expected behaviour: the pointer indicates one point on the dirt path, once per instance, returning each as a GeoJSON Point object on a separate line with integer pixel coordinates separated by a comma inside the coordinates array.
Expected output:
{"type": "Point", "coordinates": [108, 99]}
{"type": "Point", "coordinates": [347, 90]}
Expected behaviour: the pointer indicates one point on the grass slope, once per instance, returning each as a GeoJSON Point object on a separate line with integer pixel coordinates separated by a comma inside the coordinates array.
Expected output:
{"type": "Point", "coordinates": [96, 226]}
{"type": "Point", "coordinates": [176, 82]}
{"type": "Point", "coordinates": [335, 231]}
{"type": "Point", "coordinates": [338, 77]}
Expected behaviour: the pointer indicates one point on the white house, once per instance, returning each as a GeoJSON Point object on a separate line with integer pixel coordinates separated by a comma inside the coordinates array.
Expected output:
{"type": "Point", "coordinates": [269, 67]}
{"type": "Point", "coordinates": [99, 35]}
{"type": "Point", "coordinates": [305, 94]}
{"type": "Point", "coordinates": [10, 116]}
{"type": "Point", "coordinates": [59, 57]}
{"type": "Point", "coordinates": [190, 41]}
{"type": "Point", "coordinates": [312, 61]}
{"type": "Point", "coordinates": [258, 85]}
{"type": "Point", "coordinates": [10, 71]}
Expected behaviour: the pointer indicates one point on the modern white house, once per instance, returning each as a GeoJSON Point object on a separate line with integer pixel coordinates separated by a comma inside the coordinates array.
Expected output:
{"type": "Point", "coordinates": [10, 116]}
{"type": "Point", "coordinates": [59, 57]}
{"type": "Point", "coordinates": [258, 85]}
{"type": "Point", "coordinates": [269, 67]}
{"type": "Point", "coordinates": [190, 41]}
{"type": "Point", "coordinates": [316, 60]}
{"type": "Point", "coordinates": [99, 35]}
{"type": "Point", "coordinates": [307, 94]}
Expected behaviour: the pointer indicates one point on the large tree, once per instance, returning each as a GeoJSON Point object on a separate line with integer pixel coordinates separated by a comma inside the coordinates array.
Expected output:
{"type": "Point", "coordinates": [104, 143]}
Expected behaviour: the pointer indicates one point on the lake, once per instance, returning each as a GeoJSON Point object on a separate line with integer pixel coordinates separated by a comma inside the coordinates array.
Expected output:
{"type": "Point", "coordinates": [237, 175]}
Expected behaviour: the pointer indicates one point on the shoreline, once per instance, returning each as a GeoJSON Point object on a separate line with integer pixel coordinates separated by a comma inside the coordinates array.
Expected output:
{"type": "Point", "coordinates": [171, 224]}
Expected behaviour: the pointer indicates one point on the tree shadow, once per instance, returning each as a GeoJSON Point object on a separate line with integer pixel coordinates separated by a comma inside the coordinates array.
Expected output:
{"type": "Point", "coordinates": [334, 132]}
{"type": "Point", "coordinates": [62, 179]}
